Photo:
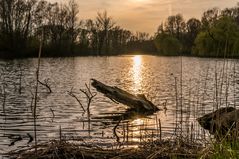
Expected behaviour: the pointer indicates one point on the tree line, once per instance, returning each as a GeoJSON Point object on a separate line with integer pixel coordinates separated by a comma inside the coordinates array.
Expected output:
{"type": "Point", "coordinates": [215, 35]}
{"type": "Point", "coordinates": [24, 22]}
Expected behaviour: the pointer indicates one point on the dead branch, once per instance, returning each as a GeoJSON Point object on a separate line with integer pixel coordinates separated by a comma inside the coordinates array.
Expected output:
{"type": "Point", "coordinates": [4, 95]}
{"type": "Point", "coordinates": [114, 131]}
{"type": "Point", "coordinates": [30, 138]}
{"type": "Point", "coordinates": [89, 96]}
{"type": "Point", "coordinates": [20, 80]}
{"type": "Point", "coordinates": [53, 114]}
{"type": "Point", "coordinates": [32, 99]}
{"type": "Point", "coordinates": [46, 84]}
{"type": "Point", "coordinates": [135, 102]}
{"type": "Point", "coordinates": [71, 93]}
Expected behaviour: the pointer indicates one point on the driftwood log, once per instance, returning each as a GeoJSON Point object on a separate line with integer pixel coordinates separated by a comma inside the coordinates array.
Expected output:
{"type": "Point", "coordinates": [221, 122]}
{"type": "Point", "coordinates": [134, 102]}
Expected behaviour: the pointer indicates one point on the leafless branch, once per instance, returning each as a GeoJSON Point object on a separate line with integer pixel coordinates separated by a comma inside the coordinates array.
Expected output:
{"type": "Point", "coordinates": [53, 114]}
{"type": "Point", "coordinates": [20, 80]}
{"type": "Point", "coordinates": [89, 95]}
{"type": "Point", "coordinates": [114, 131]}
{"type": "Point", "coordinates": [46, 84]}
{"type": "Point", "coordinates": [71, 93]}
{"type": "Point", "coordinates": [32, 101]}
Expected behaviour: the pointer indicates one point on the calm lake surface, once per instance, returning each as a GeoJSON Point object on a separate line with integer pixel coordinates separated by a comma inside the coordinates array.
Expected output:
{"type": "Point", "coordinates": [206, 84]}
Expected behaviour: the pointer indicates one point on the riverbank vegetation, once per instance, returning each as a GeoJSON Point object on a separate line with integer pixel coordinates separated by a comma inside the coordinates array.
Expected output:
{"type": "Point", "coordinates": [216, 34]}
{"type": "Point", "coordinates": [149, 150]}
{"type": "Point", "coordinates": [22, 22]}
{"type": "Point", "coordinates": [172, 148]}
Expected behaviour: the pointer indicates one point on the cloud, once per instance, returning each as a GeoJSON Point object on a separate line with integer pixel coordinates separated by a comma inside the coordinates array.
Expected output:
{"type": "Point", "coordinates": [146, 15]}
{"type": "Point", "coordinates": [140, 8]}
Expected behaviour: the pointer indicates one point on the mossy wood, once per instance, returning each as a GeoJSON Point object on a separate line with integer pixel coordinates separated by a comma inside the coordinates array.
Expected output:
{"type": "Point", "coordinates": [221, 121]}
{"type": "Point", "coordinates": [135, 102]}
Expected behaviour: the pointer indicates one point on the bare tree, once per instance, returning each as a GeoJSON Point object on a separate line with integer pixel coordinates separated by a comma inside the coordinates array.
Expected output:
{"type": "Point", "coordinates": [73, 26]}
{"type": "Point", "coordinates": [104, 24]}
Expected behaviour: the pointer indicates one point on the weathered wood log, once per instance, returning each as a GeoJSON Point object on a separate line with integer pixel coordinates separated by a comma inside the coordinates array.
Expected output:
{"type": "Point", "coordinates": [135, 102]}
{"type": "Point", "coordinates": [220, 122]}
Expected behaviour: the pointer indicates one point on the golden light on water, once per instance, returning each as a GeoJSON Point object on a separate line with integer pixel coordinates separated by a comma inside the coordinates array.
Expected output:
{"type": "Point", "coordinates": [138, 122]}
{"type": "Point", "coordinates": [136, 130]}
{"type": "Point", "coordinates": [137, 73]}
{"type": "Point", "coordinates": [137, 60]}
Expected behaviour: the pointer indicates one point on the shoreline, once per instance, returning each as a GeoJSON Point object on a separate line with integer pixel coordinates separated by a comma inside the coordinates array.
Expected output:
{"type": "Point", "coordinates": [119, 55]}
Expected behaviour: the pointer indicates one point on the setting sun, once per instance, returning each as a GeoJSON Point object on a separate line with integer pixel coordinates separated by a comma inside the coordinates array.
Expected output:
{"type": "Point", "coordinates": [137, 60]}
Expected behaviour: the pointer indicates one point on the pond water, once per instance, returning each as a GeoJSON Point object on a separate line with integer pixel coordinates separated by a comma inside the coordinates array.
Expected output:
{"type": "Point", "coordinates": [183, 87]}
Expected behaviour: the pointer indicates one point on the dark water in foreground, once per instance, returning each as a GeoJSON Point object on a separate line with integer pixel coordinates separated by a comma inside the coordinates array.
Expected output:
{"type": "Point", "coordinates": [206, 84]}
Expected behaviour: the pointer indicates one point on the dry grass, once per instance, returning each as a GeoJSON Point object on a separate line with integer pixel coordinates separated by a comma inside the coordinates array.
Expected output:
{"type": "Point", "coordinates": [149, 150]}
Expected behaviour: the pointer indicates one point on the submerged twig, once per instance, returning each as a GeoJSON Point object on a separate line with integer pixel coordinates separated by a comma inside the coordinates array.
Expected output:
{"type": "Point", "coordinates": [53, 114]}
{"type": "Point", "coordinates": [30, 138]}
{"type": "Point", "coordinates": [4, 95]}
{"type": "Point", "coordinates": [160, 130]}
{"type": "Point", "coordinates": [114, 131]}
{"type": "Point", "coordinates": [72, 94]}
{"type": "Point", "coordinates": [15, 139]}
{"type": "Point", "coordinates": [46, 84]}
{"type": "Point", "coordinates": [60, 133]}
{"type": "Point", "coordinates": [20, 80]}
{"type": "Point", "coordinates": [32, 100]}
{"type": "Point", "coordinates": [89, 96]}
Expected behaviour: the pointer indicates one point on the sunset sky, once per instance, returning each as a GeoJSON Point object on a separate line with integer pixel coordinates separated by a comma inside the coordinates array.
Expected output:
{"type": "Point", "coordinates": [146, 15]}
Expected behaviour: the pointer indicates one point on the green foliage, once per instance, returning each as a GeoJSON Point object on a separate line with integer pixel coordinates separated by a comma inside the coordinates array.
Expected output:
{"type": "Point", "coordinates": [216, 35]}
{"type": "Point", "coordinates": [225, 149]}
{"type": "Point", "coordinates": [219, 40]}
{"type": "Point", "coordinates": [176, 37]}
{"type": "Point", "coordinates": [203, 45]}
{"type": "Point", "coordinates": [23, 21]}
{"type": "Point", "coordinates": [167, 45]}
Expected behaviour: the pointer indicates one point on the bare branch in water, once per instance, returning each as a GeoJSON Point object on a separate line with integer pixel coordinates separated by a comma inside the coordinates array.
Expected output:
{"type": "Point", "coordinates": [89, 95]}
{"type": "Point", "coordinates": [32, 100]}
{"type": "Point", "coordinates": [71, 93]}
{"type": "Point", "coordinates": [46, 84]}
{"type": "Point", "coordinates": [20, 80]}
{"type": "Point", "coordinates": [4, 95]}
{"type": "Point", "coordinates": [53, 114]}
{"type": "Point", "coordinates": [114, 131]}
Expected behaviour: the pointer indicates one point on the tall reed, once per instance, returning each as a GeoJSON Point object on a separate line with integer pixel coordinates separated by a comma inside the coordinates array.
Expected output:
{"type": "Point", "coordinates": [36, 93]}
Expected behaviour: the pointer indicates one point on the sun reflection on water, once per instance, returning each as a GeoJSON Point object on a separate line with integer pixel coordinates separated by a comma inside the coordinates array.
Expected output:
{"type": "Point", "coordinates": [137, 73]}
{"type": "Point", "coordinates": [136, 130]}
{"type": "Point", "coordinates": [138, 122]}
